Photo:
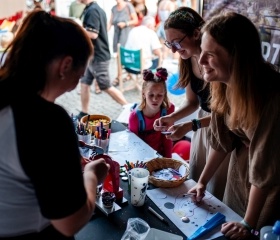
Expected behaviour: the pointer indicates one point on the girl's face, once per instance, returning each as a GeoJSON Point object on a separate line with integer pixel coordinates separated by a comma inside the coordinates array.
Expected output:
{"type": "Point", "coordinates": [188, 46]}
{"type": "Point", "coordinates": [154, 94]}
{"type": "Point", "coordinates": [215, 60]}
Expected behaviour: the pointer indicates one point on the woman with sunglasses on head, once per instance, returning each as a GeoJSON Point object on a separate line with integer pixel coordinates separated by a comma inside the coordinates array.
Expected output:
{"type": "Point", "coordinates": [44, 195]}
{"type": "Point", "coordinates": [245, 120]}
{"type": "Point", "coordinates": [182, 29]}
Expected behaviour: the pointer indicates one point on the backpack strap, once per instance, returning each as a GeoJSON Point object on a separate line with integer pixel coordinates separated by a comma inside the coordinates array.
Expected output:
{"type": "Point", "coordinates": [163, 112]}
{"type": "Point", "coordinates": [141, 120]}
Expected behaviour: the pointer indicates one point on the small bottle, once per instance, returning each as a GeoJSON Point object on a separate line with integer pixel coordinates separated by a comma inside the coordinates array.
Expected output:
{"type": "Point", "coordinates": [271, 233]}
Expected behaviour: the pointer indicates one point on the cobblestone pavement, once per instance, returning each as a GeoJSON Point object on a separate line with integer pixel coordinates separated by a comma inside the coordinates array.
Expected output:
{"type": "Point", "coordinates": [103, 103]}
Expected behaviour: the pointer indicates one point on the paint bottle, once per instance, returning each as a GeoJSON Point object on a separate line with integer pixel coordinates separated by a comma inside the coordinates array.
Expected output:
{"type": "Point", "coordinates": [271, 232]}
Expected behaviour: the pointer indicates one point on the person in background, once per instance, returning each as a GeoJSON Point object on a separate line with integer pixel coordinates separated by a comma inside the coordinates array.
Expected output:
{"type": "Point", "coordinates": [141, 10]}
{"type": "Point", "coordinates": [245, 120]}
{"type": "Point", "coordinates": [144, 37]}
{"type": "Point", "coordinates": [165, 7]}
{"type": "Point", "coordinates": [76, 9]}
{"type": "Point", "coordinates": [182, 29]}
{"type": "Point", "coordinates": [95, 22]}
{"type": "Point", "coordinates": [154, 103]}
{"type": "Point", "coordinates": [123, 18]}
{"type": "Point", "coordinates": [40, 176]}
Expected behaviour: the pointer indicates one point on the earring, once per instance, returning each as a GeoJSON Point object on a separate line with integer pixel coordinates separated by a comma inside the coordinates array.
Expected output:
{"type": "Point", "coordinates": [61, 76]}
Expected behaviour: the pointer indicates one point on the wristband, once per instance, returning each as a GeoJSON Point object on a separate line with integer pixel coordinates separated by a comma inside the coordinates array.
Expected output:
{"type": "Point", "coordinates": [196, 124]}
{"type": "Point", "coordinates": [126, 24]}
{"type": "Point", "coordinates": [246, 225]}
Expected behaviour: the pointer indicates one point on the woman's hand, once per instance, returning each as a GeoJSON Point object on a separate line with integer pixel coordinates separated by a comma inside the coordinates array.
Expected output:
{"type": "Point", "coordinates": [235, 230]}
{"type": "Point", "coordinates": [199, 191]}
{"type": "Point", "coordinates": [179, 131]}
{"type": "Point", "coordinates": [122, 25]}
{"type": "Point", "coordinates": [99, 168]}
{"type": "Point", "coordinates": [163, 123]}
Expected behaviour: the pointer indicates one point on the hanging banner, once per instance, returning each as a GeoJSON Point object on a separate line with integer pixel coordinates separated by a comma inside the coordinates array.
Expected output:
{"type": "Point", "coordinates": [265, 14]}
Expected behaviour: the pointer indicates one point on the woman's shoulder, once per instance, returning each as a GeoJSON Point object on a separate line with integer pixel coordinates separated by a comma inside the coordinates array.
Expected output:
{"type": "Point", "coordinates": [131, 7]}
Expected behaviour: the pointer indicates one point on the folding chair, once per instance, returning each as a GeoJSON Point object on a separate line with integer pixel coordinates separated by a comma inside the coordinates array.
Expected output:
{"type": "Point", "coordinates": [130, 61]}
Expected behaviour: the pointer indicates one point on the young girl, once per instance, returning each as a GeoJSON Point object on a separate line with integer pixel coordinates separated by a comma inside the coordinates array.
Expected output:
{"type": "Point", "coordinates": [155, 103]}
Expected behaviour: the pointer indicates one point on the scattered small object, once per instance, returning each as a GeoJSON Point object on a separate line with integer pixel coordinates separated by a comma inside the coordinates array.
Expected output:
{"type": "Point", "coordinates": [166, 132]}
{"type": "Point", "coordinates": [124, 178]}
{"type": "Point", "coordinates": [189, 194]}
{"type": "Point", "coordinates": [185, 219]}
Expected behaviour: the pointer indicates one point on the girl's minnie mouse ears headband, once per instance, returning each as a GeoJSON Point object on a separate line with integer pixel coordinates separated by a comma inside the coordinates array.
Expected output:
{"type": "Point", "coordinates": [160, 75]}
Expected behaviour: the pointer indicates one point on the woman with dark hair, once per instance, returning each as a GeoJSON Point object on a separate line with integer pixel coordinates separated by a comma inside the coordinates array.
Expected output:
{"type": "Point", "coordinates": [182, 29]}
{"type": "Point", "coordinates": [245, 121]}
{"type": "Point", "coordinates": [43, 192]}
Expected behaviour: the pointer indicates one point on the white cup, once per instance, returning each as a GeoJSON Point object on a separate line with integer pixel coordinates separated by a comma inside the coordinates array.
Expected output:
{"type": "Point", "coordinates": [85, 138]}
{"type": "Point", "coordinates": [139, 184]}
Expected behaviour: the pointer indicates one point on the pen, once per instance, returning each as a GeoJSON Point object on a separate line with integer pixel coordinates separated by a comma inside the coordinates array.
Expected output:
{"type": "Point", "coordinates": [157, 215]}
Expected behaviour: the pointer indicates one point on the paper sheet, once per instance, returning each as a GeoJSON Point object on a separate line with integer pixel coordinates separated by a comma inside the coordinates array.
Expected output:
{"type": "Point", "coordinates": [172, 203]}
{"type": "Point", "coordinates": [126, 145]}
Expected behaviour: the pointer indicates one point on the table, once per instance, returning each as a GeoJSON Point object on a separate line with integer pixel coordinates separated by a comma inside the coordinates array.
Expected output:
{"type": "Point", "coordinates": [112, 227]}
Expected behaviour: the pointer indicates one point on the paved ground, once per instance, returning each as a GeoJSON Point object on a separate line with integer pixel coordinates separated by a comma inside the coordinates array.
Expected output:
{"type": "Point", "coordinates": [104, 104]}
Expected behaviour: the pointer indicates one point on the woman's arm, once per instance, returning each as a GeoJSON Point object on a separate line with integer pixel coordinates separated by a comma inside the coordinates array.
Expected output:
{"type": "Point", "coordinates": [243, 230]}
{"type": "Point", "coordinates": [179, 130]}
{"type": "Point", "coordinates": [214, 160]}
{"type": "Point", "coordinates": [257, 198]}
{"type": "Point", "coordinates": [190, 105]}
{"type": "Point", "coordinates": [110, 22]}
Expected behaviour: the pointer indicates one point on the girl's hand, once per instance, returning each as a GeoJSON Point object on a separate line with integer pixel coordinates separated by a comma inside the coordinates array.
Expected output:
{"type": "Point", "coordinates": [235, 230]}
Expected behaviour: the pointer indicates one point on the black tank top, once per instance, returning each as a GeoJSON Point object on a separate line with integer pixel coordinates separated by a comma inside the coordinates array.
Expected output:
{"type": "Point", "coordinates": [202, 92]}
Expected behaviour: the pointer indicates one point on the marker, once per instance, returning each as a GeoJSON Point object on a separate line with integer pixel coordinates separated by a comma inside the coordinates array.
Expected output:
{"type": "Point", "coordinates": [157, 215]}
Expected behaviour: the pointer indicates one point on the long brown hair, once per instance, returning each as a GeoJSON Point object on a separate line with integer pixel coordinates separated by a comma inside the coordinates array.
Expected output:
{"type": "Point", "coordinates": [40, 39]}
{"type": "Point", "coordinates": [248, 93]}
{"type": "Point", "coordinates": [187, 21]}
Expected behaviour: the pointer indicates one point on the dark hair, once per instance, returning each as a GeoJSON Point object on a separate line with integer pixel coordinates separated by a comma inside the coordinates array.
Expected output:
{"type": "Point", "coordinates": [41, 39]}
{"type": "Point", "coordinates": [187, 21]}
{"type": "Point", "coordinates": [184, 19]}
{"type": "Point", "coordinates": [159, 77]}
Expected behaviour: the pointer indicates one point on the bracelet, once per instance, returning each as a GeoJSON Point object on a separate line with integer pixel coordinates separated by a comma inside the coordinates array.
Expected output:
{"type": "Point", "coordinates": [196, 124]}
{"type": "Point", "coordinates": [245, 224]}
{"type": "Point", "coordinates": [126, 24]}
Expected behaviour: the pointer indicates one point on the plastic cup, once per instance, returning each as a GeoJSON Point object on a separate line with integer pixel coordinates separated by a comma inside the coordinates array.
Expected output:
{"type": "Point", "coordinates": [139, 184]}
